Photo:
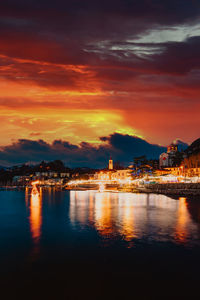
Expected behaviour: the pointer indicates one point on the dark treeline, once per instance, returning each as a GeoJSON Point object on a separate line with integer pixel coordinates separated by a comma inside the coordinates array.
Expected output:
{"type": "Point", "coordinates": [7, 174]}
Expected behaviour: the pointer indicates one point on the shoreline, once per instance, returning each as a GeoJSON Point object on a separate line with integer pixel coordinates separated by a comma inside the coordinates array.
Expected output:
{"type": "Point", "coordinates": [181, 189]}
{"type": "Point", "coordinates": [170, 189]}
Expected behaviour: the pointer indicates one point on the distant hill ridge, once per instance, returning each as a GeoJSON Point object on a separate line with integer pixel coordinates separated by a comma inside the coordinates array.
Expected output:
{"type": "Point", "coordinates": [194, 148]}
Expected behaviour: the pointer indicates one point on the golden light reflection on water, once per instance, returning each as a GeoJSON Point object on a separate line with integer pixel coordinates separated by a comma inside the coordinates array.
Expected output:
{"type": "Point", "coordinates": [35, 214]}
{"type": "Point", "coordinates": [182, 220]}
{"type": "Point", "coordinates": [26, 196]}
{"type": "Point", "coordinates": [128, 228]}
{"type": "Point", "coordinates": [103, 218]}
{"type": "Point", "coordinates": [131, 216]}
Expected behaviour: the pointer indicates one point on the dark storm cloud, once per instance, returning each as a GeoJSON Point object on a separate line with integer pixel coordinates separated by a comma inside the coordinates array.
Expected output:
{"type": "Point", "coordinates": [173, 10]}
{"type": "Point", "coordinates": [62, 30]}
{"type": "Point", "coordinates": [176, 58]}
{"type": "Point", "coordinates": [122, 148]}
{"type": "Point", "coordinates": [94, 34]}
{"type": "Point", "coordinates": [102, 48]}
{"type": "Point", "coordinates": [127, 145]}
{"type": "Point", "coordinates": [179, 57]}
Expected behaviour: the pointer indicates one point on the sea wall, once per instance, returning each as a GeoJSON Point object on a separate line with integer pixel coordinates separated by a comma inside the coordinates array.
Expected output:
{"type": "Point", "coordinates": [182, 189]}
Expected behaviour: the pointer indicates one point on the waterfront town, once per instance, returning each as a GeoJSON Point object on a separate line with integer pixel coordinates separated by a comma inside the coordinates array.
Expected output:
{"type": "Point", "coordinates": [178, 168]}
{"type": "Point", "coordinates": [99, 149]}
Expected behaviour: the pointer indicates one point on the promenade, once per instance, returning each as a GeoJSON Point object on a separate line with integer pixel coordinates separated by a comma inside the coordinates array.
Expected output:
{"type": "Point", "coordinates": [183, 189]}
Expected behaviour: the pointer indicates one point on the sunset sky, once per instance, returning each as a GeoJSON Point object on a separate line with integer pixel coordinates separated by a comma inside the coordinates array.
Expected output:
{"type": "Point", "coordinates": [76, 71]}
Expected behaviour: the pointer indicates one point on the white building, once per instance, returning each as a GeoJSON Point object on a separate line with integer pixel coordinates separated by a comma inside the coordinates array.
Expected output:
{"type": "Point", "coordinates": [167, 159]}
{"type": "Point", "coordinates": [164, 160]}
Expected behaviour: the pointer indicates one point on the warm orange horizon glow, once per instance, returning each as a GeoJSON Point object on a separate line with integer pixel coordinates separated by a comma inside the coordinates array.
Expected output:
{"type": "Point", "coordinates": [50, 123]}
{"type": "Point", "coordinates": [72, 79]}
{"type": "Point", "coordinates": [86, 110]}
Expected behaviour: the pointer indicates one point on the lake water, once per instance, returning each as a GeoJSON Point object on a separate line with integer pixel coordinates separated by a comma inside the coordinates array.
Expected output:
{"type": "Point", "coordinates": [98, 245]}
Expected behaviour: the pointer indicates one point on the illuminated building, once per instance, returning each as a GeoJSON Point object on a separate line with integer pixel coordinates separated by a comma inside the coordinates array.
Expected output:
{"type": "Point", "coordinates": [164, 160]}
{"type": "Point", "coordinates": [112, 174]}
{"type": "Point", "coordinates": [103, 175]}
{"type": "Point", "coordinates": [191, 166]}
{"type": "Point", "coordinates": [172, 148]}
{"type": "Point", "coordinates": [167, 159]}
{"type": "Point", "coordinates": [191, 162]}
{"type": "Point", "coordinates": [121, 174]}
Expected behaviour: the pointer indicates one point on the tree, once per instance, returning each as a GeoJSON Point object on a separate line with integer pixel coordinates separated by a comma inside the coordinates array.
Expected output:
{"type": "Point", "coordinates": [140, 160]}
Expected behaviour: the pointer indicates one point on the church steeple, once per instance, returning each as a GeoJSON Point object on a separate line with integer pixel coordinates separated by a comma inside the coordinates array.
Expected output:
{"type": "Point", "coordinates": [110, 167]}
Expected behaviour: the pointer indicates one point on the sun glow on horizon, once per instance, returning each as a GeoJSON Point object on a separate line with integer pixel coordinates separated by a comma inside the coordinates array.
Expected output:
{"type": "Point", "coordinates": [73, 125]}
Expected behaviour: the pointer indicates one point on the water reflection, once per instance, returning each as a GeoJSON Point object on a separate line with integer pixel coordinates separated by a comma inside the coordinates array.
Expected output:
{"type": "Point", "coordinates": [184, 224]}
{"type": "Point", "coordinates": [133, 216]}
{"type": "Point", "coordinates": [35, 214]}
{"type": "Point", "coordinates": [27, 196]}
{"type": "Point", "coordinates": [103, 213]}
{"type": "Point", "coordinates": [127, 219]}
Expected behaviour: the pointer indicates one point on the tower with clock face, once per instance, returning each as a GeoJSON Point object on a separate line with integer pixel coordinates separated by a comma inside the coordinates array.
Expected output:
{"type": "Point", "coordinates": [110, 165]}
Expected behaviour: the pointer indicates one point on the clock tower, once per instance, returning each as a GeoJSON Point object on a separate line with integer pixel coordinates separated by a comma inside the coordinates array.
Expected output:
{"type": "Point", "coordinates": [110, 167]}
